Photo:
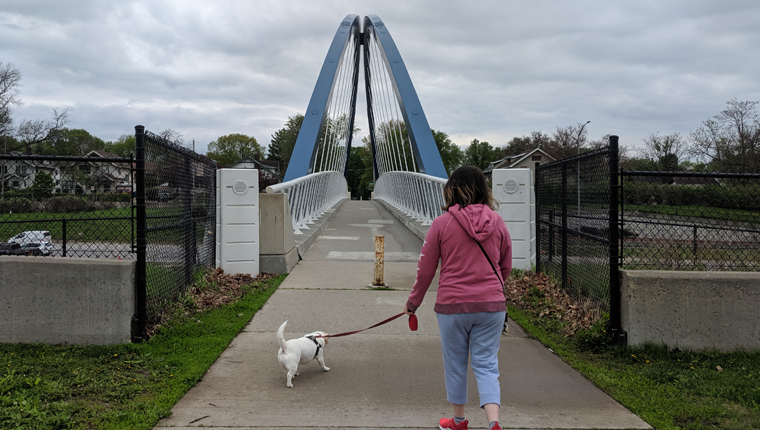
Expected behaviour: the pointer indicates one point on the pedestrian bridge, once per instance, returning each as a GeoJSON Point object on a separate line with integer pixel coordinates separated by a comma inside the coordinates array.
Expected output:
{"type": "Point", "coordinates": [408, 172]}
{"type": "Point", "coordinates": [407, 167]}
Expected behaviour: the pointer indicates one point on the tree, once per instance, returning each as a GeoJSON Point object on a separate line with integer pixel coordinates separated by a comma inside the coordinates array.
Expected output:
{"type": "Point", "coordinates": [451, 153]}
{"type": "Point", "coordinates": [9, 96]}
{"type": "Point", "coordinates": [43, 184]}
{"type": "Point", "coordinates": [665, 152]}
{"type": "Point", "coordinates": [231, 148]}
{"type": "Point", "coordinates": [519, 145]}
{"type": "Point", "coordinates": [480, 154]}
{"type": "Point", "coordinates": [283, 140]}
{"type": "Point", "coordinates": [30, 133]}
{"type": "Point", "coordinates": [567, 141]}
{"type": "Point", "coordinates": [730, 140]}
{"type": "Point", "coordinates": [359, 175]}
{"type": "Point", "coordinates": [77, 142]}
{"type": "Point", "coordinates": [123, 146]}
{"type": "Point", "coordinates": [172, 136]}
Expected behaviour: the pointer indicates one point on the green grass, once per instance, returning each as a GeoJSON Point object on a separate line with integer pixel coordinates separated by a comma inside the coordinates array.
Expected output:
{"type": "Point", "coordinates": [130, 386]}
{"type": "Point", "coordinates": [81, 227]}
{"type": "Point", "coordinates": [78, 225]}
{"type": "Point", "coordinates": [668, 389]}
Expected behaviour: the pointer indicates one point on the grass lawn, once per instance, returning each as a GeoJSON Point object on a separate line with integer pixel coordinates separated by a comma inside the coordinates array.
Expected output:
{"type": "Point", "coordinates": [668, 389]}
{"type": "Point", "coordinates": [130, 386]}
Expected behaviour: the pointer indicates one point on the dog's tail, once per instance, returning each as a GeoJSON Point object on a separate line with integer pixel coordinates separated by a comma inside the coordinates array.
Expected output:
{"type": "Point", "coordinates": [281, 336]}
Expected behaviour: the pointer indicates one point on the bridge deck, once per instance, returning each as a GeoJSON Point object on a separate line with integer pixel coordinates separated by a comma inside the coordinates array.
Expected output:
{"type": "Point", "coordinates": [388, 377]}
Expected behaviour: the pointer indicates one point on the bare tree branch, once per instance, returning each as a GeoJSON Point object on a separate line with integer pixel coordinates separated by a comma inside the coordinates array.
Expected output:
{"type": "Point", "coordinates": [30, 133]}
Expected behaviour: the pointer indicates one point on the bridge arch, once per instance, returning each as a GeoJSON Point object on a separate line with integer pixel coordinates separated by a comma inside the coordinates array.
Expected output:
{"type": "Point", "coordinates": [399, 132]}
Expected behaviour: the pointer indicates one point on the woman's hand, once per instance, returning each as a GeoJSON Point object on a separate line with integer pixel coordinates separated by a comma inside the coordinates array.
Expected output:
{"type": "Point", "coordinates": [407, 311]}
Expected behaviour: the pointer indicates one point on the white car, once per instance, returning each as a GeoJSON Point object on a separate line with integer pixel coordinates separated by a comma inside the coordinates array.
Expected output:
{"type": "Point", "coordinates": [34, 242]}
{"type": "Point", "coordinates": [35, 236]}
{"type": "Point", "coordinates": [36, 248]}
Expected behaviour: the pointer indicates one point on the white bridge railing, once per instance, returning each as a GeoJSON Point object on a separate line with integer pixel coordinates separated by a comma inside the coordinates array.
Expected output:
{"type": "Point", "coordinates": [311, 196]}
{"type": "Point", "coordinates": [417, 195]}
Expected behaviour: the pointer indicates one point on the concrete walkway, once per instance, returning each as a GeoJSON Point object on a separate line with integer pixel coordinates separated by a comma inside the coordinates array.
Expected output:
{"type": "Point", "coordinates": [388, 377]}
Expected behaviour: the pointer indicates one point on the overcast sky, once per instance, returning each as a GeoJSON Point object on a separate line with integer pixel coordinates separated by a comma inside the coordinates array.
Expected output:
{"type": "Point", "coordinates": [490, 70]}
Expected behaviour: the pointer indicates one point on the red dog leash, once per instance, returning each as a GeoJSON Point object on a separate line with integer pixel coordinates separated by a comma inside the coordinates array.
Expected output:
{"type": "Point", "coordinates": [412, 326]}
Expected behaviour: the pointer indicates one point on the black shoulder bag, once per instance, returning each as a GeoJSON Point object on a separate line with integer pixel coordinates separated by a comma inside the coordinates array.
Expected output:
{"type": "Point", "coordinates": [506, 314]}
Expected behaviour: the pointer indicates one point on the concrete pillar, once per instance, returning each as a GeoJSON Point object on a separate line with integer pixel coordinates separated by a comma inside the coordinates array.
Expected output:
{"type": "Point", "coordinates": [278, 244]}
{"type": "Point", "coordinates": [237, 221]}
{"type": "Point", "coordinates": [513, 191]}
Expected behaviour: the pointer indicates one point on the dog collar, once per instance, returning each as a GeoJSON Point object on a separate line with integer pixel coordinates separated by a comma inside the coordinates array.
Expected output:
{"type": "Point", "coordinates": [313, 339]}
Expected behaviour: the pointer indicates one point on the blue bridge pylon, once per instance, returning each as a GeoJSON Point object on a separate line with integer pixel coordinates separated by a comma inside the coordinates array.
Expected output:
{"type": "Point", "coordinates": [399, 132]}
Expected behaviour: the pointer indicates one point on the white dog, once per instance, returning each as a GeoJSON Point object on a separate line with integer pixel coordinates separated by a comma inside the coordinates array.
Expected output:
{"type": "Point", "coordinates": [300, 351]}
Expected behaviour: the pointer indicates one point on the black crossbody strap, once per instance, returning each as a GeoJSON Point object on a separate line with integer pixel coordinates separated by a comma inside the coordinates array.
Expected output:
{"type": "Point", "coordinates": [489, 262]}
{"type": "Point", "coordinates": [506, 326]}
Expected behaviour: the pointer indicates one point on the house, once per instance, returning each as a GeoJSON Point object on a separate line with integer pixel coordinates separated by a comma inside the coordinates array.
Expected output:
{"type": "Point", "coordinates": [266, 167]}
{"type": "Point", "coordinates": [526, 160]}
{"type": "Point", "coordinates": [97, 175]}
{"type": "Point", "coordinates": [19, 174]}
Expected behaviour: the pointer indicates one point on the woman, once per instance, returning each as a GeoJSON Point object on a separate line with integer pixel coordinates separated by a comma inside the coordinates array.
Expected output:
{"type": "Point", "coordinates": [470, 303]}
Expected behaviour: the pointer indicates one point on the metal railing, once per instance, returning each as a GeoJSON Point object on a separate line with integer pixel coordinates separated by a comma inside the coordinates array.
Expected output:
{"type": "Point", "coordinates": [311, 196]}
{"type": "Point", "coordinates": [417, 195]}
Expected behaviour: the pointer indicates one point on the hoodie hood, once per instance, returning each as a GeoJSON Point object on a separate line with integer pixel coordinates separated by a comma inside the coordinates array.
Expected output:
{"type": "Point", "coordinates": [478, 220]}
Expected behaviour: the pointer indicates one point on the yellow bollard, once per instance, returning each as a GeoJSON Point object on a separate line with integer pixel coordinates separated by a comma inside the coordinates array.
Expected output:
{"type": "Point", "coordinates": [379, 261]}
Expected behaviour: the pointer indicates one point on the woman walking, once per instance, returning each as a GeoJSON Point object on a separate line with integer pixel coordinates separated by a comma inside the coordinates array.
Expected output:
{"type": "Point", "coordinates": [475, 250]}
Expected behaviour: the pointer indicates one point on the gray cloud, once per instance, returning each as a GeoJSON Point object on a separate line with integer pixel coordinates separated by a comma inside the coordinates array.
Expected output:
{"type": "Point", "coordinates": [490, 69]}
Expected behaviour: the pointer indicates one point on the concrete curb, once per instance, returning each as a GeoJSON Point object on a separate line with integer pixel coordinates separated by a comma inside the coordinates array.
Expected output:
{"type": "Point", "coordinates": [414, 226]}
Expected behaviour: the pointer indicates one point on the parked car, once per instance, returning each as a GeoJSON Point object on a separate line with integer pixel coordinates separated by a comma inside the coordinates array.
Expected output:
{"type": "Point", "coordinates": [38, 248]}
{"type": "Point", "coordinates": [31, 236]}
{"type": "Point", "coordinates": [10, 249]}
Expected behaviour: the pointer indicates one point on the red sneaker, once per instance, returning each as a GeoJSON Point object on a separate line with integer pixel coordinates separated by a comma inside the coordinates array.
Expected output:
{"type": "Point", "coordinates": [496, 427]}
{"type": "Point", "coordinates": [449, 424]}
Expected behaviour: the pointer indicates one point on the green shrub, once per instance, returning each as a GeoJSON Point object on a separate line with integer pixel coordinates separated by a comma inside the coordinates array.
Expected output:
{"type": "Point", "coordinates": [16, 205]}
{"type": "Point", "coordinates": [68, 204]}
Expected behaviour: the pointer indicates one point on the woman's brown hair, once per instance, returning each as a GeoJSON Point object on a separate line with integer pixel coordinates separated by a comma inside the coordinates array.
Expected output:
{"type": "Point", "coordinates": [466, 186]}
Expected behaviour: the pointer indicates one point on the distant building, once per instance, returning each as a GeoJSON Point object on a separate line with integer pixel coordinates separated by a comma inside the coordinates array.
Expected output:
{"type": "Point", "coordinates": [86, 176]}
{"type": "Point", "coordinates": [269, 171]}
{"type": "Point", "coordinates": [526, 160]}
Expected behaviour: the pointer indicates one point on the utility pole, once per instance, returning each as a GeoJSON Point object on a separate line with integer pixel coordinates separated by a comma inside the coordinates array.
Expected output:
{"type": "Point", "coordinates": [578, 143]}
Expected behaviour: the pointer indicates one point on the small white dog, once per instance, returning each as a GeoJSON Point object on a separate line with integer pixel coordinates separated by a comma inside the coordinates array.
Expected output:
{"type": "Point", "coordinates": [300, 351]}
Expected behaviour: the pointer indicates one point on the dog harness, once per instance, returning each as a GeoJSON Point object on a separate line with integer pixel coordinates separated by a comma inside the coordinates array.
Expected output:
{"type": "Point", "coordinates": [313, 339]}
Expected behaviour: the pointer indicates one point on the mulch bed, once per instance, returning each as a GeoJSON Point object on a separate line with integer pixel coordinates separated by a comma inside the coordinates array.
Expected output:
{"type": "Point", "coordinates": [219, 289]}
{"type": "Point", "coordinates": [550, 301]}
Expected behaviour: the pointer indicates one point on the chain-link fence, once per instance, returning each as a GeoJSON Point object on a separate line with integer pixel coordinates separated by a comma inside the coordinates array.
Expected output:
{"type": "Point", "coordinates": [577, 227]}
{"type": "Point", "coordinates": [67, 206]}
{"type": "Point", "coordinates": [690, 221]}
{"type": "Point", "coordinates": [573, 205]}
{"type": "Point", "coordinates": [158, 208]}
{"type": "Point", "coordinates": [180, 219]}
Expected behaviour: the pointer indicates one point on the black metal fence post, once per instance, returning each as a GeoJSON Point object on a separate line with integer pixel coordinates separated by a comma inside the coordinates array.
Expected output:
{"type": "Point", "coordinates": [564, 226]}
{"type": "Point", "coordinates": [189, 225]}
{"type": "Point", "coordinates": [537, 211]}
{"type": "Point", "coordinates": [551, 235]}
{"type": "Point", "coordinates": [614, 225]}
{"type": "Point", "coordinates": [139, 320]}
{"type": "Point", "coordinates": [63, 233]}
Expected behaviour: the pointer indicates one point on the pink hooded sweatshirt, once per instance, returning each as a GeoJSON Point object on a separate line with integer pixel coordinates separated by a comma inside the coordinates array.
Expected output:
{"type": "Point", "coordinates": [467, 283]}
